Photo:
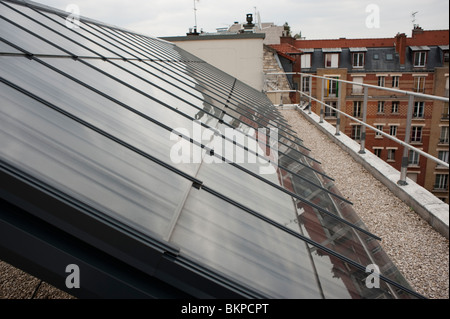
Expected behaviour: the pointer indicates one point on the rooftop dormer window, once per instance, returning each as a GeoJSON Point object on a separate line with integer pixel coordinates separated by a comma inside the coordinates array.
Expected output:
{"type": "Point", "coordinates": [419, 56]}
{"type": "Point", "coordinates": [358, 57]}
{"type": "Point", "coordinates": [332, 57]}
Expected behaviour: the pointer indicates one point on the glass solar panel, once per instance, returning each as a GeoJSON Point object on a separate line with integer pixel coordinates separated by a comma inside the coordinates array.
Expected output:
{"type": "Point", "coordinates": [92, 112]}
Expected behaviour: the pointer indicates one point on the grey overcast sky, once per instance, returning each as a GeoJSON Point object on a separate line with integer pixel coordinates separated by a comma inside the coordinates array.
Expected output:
{"type": "Point", "coordinates": [318, 19]}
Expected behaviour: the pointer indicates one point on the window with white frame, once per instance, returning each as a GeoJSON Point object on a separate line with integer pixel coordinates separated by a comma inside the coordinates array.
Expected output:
{"type": "Point", "coordinates": [305, 60]}
{"type": "Point", "coordinates": [331, 89]}
{"type": "Point", "coordinates": [377, 151]}
{"type": "Point", "coordinates": [420, 58]}
{"type": "Point", "coordinates": [413, 158]}
{"type": "Point", "coordinates": [443, 156]}
{"type": "Point", "coordinates": [443, 139]}
{"type": "Point", "coordinates": [419, 84]}
{"type": "Point", "coordinates": [445, 56]}
{"type": "Point", "coordinates": [380, 107]}
{"type": "Point", "coordinates": [395, 105]}
{"type": "Point", "coordinates": [441, 182]}
{"type": "Point", "coordinates": [446, 87]}
{"type": "Point", "coordinates": [445, 112]}
{"type": "Point", "coordinates": [378, 134]}
{"type": "Point", "coordinates": [357, 108]}
{"type": "Point", "coordinates": [395, 81]}
{"type": "Point", "coordinates": [391, 154]}
{"type": "Point", "coordinates": [381, 80]}
{"type": "Point", "coordinates": [358, 59]}
{"type": "Point", "coordinates": [306, 84]}
{"type": "Point", "coordinates": [416, 134]}
{"type": "Point", "coordinates": [419, 108]}
{"type": "Point", "coordinates": [357, 89]}
{"type": "Point", "coordinates": [331, 112]}
{"type": "Point", "coordinates": [332, 60]}
{"type": "Point", "coordinates": [393, 130]}
{"type": "Point", "coordinates": [356, 132]}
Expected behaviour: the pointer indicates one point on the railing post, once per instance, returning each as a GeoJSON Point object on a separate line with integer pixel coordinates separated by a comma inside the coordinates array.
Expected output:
{"type": "Point", "coordinates": [300, 89]}
{"type": "Point", "coordinates": [310, 93]}
{"type": "Point", "coordinates": [363, 129]}
{"type": "Point", "coordinates": [405, 157]}
{"type": "Point", "coordinates": [338, 120]}
{"type": "Point", "coordinates": [321, 100]}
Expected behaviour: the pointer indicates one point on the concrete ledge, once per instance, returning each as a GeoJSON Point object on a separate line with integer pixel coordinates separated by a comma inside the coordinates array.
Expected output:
{"type": "Point", "coordinates": [423, 202]}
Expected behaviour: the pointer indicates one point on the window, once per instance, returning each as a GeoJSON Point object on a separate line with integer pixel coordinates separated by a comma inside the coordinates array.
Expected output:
{"type": "Point", "coordinates": [446, 87]}
{"type": "Point", "coordinates": [413, 159]}
{"type": "Point", "coordinates": [391, 154]}
{"type": "Point", "coordinates": [329, 112]}
{"type": "Point", "coordinates": [376, 56]}
{"type": "Point", "coordinates": [445, 112]}
{"type": "Point", "coordinates": [305, 60]}
{"type": "Point", "coordinates": [356, 132]}
{"type": "Point", "coordinates": [357, 108]}
{"type": "Point", "coordinates": [420, 58]}
{"type": "Point", "coordinates": [357, 89]}
{"type": "Point", "coordinates": [377, 151]}
{"type": "Point", "coordinates": [380, 107]}
{"type": "Point", "coordinates": [446, 56]}
{"type": "Point", "coordinates": [381, 81]}
{"type": "Point", "coordinates": [444, 135]}
{"type": "Point", "coordinates": [441, 182]}
{"type": "Point", "coordinates": [332, 87]}
{"type": "Point", "coordinates": [389, 57]}
{"type": "Point", "coordinates": [419, 84]}
{"type": "Point", "coordinates": [378, 134]}
{"type": "Point", "coordinates": [331, 60]}
{"type": "Point", "coordinates": [393, 130]}
{"type": "Point", "coordinates": [306, 84]}
{"type": "Point", "coordinates": [395, 81]}
{"type": "Point", "coordinates": [358, 60]}
{"type": "Point", "coordinates": [395, 106]}
{"type": "Point", "coordinates": [443, 156]}
{"type": "Point", "coordinates": [418, 110]}
{"type": "Point", "coordinates": [416, 134]}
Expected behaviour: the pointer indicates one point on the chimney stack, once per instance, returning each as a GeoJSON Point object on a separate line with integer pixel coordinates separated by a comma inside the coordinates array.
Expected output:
{"type": "Point", "coordinates": [248, 27]}
{"type": "Point", "coordinates": [400, 47]}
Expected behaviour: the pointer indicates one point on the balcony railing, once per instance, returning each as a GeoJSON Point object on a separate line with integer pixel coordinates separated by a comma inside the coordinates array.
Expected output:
{"type": "Point", "coordinates": [411, 96]}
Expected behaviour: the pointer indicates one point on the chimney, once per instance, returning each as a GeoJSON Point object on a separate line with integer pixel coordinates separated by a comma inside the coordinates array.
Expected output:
{"type": "Point", "coordinates": [417, 30]}
{"type": "Point", "coordinates": [400, 46]}
{"type": "Point", "coordinates": [248, 27]}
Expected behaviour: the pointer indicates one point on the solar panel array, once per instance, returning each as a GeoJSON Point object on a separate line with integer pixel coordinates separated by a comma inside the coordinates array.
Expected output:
{"type": "Point", "coordinates": [133, 131]}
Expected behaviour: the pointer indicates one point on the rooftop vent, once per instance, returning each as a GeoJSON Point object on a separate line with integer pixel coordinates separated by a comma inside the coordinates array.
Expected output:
{"type": "Point", "coordinates": [249, 25]}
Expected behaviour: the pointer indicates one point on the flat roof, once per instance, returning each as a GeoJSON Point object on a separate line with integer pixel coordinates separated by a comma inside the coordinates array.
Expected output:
{"type": "Point", "coordinates": [237, 36]}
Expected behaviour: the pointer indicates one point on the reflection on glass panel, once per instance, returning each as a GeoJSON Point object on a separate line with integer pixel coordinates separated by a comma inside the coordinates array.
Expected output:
{"type": "Point", "coordinates": [244, 248]}
{"type": "Point", "coordinates": [87, 166]}
{"type": "Point", "coordinates": [25, 40]}
{"type": "Point", "coordinates": [97, 110]}
{"type": "Point", "coordinates": [43, 32]}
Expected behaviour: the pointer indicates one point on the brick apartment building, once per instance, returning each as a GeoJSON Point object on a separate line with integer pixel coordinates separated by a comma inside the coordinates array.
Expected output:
{"type": "Point", "coordinates": [418, 63]}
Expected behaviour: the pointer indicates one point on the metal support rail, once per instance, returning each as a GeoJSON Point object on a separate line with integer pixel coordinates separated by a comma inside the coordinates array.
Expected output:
{"type": "Point", "coordinates": [411, 95]}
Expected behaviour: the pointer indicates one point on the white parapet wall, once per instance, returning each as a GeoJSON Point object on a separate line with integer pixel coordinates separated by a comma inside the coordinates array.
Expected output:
{"type": "Point", "coordinates": [424, 203]}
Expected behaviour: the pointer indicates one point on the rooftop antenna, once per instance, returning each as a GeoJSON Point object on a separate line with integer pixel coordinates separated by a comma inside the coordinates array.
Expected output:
{"type": "Point", "coordinates": [413, 15]}
{"type": "Point", "coordinates": [195, 20]}
{"type": "Point", "coordinates": [258, 19]}
{"type": "Point", "coordinates": [195, 14]}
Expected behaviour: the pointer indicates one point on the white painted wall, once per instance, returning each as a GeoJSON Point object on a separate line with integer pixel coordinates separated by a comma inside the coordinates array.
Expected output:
{"type": "Point", "coordinates": [241, 58]}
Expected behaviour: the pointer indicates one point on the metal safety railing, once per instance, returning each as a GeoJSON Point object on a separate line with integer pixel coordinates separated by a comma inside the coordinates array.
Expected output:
{"type": "Point", "coordinates": [411, 97]}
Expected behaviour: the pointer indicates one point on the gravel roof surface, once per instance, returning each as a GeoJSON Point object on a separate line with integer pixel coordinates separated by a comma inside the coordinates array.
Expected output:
{"type": "Point", "coordinates": [420, 252]}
